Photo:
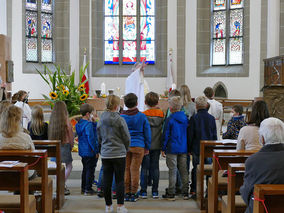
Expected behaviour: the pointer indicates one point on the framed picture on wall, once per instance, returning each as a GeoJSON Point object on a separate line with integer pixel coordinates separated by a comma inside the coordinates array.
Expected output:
{"type": "Point", "coordinates": [10, 71]}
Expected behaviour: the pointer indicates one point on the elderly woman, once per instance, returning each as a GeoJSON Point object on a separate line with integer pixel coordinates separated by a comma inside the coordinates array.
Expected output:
{"type": "Point", "coordinates": [248, 138]}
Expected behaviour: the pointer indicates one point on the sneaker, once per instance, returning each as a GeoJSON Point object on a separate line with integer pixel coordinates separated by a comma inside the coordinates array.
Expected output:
{"type": "Point", "coordinates": [192, 195]}
{"type": "Point", "coordinates": [155, 195]}
{"type": "Point", "coordinates": [122, 209]}
{"type": "Point", "coordinates": [127, 197]}
{"type": "Point", "coordinates": [143, 195]}
{"type": "Point", "coordinates": [89, 192]}
{"type": "Point", "coordinates": [134, 197]}
{"type": "Point", "coordinates": [114, 195]}
{"type": "Point", "coordinates": [169, 197]}
{"type": "Point", "coordinates": [185, 196]}
{"type": "Point", "coordinates": [109, 209]}
{"type": "Point", "coordinates": [66, 191]}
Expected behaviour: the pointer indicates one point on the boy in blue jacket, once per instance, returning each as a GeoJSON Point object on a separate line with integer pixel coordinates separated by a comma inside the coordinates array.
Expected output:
{"type": "Point", "coordinates": [88, 147]}
{"type": "Point", "coordinates": [175, 148]}
{"type": "Point", "coordinates": [140, 133]}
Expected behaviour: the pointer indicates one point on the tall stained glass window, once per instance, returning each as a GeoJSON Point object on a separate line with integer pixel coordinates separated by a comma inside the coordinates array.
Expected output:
{"type": "Point", "coordinates": [39, 31]}
{"type": "Point", "coordinates": [129, 31]}
{"type": "Point", "coordinates": [227, 32]}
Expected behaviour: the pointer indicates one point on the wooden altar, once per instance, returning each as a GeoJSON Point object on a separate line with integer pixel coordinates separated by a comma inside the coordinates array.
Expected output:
{"type": "Point", "coordinates": [273, 91]}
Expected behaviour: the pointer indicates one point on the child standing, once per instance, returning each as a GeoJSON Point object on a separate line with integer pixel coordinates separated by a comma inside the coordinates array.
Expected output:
{"type": "Point", "coordinates": [150, 163]}
{"type": "Point", "coordinates": [114, 140]}
{"type": "Point", "coordinates": [86, 129]}
{"type": "Point", "coordinates": [140, 133]}
{"type": "Point", "coordinates": [175, 147]}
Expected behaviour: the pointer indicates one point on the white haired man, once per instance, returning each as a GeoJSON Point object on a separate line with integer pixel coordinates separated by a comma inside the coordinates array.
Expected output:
{"type": "Point", "coordinates": [267, 165]}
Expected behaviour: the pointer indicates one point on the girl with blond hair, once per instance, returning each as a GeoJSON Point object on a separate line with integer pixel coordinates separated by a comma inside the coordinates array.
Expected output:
{"type": "Point", "coordinates": [37, 127]}
{"type": "Point", "coordinates": [189, 106]}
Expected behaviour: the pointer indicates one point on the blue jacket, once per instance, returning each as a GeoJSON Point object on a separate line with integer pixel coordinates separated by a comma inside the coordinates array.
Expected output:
{"type": "Point", "coordinates": [87, 135]}
{"type": "Point", "coordinates": [202, 126]}
{"type": "Point", "coordinates": [175, 134]}
{"type": "Point", "coordinates": [139, 128]}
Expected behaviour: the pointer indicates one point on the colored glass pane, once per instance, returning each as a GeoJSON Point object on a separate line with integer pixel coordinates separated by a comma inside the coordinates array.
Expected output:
{"type": "Point", "coordinates": [31, 4]}
{"type": "Point", "coordinates": [219, 4]}
{"type": "Point", "coordinates": [147, 27]}
{"type": "Point", "coordinates": [31, 49]}
{"type": "Point", "coordinates": [147, 50]}
{"type": "Point", "coordinates": [111, 7]}
{"type": "Point", "coordinates": [219, 24]}
{"type": "Point", "coordinates": [31, 24]}
{"type": "Point", "coordinates": [236, 4]}
{"type": "Point", "coordinates": [46, 50]}
{"type": "Point", "coordinates": [129, 28]}
{"type": "Point", "coordinates": [219, 52]}
{"type": "Point", "coordinates": [111, 52]}
{"type": "Point", "coordinates": [236, 51]}
{"type": "Point", "coordinates": [147, 7]}
{"type": "Point", "coordinates": [46, 26]}
{"type": "Point", "coordinates": [129, 52]}
{"type": "Point", "coordinates": [46, 6]}
{"type": "Point", "coordinates": [236, 23]}
{"type": "Point", "coordinates": [111, 28]}
{"type": "Point", "coordinates": [129, 7]}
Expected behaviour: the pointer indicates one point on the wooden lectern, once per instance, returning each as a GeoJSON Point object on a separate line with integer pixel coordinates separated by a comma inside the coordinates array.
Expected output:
{"type": "Point", "coordinates": [273, 91]}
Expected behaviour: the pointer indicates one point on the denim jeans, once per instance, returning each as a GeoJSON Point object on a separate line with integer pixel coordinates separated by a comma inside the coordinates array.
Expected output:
{"type": "Point", "coordinates": [89, 167]}
{"type": "Point", "coordinates": [150, 168]}
{"type": "Point", "coordinates": [101, 180]}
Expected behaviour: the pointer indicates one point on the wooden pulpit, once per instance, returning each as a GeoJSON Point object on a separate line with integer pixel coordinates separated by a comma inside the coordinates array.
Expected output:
{"type": "Point", "coordinates": [273, 91]}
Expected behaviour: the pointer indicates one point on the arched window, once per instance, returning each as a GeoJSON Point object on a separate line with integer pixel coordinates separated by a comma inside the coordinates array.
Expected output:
{"type": "Point", "coordinates": [129, 31]}
{"type": "Point", "coordinates": [39, 31]}
{"type": "Point", "coordinates": [227, 32]}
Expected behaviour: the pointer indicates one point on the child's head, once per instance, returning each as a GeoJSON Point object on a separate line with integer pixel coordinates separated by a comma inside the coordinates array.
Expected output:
{"type": "Point", "coordinates": [152, 99]}
{"type": "Point", "coordinates": [3, 106]}
{"type": "Point", "coordinates": [175, 104]}
{"type": "Point", "coordinates": [21, 95]}
{"type": "Point", "coordinates": [185, 95]}
{"type": "Point", "coordinates": [201, 102]}
{"type": "Point", "coordinates": [174, 92]}
{"type": "Point", "coordinates": [10, 122]}
{"type": "Point", "coordinates": [113, 103]}
{"type": "Point", "coordinates": [86, 110]}
{"type": "Point", "coordinates": [130, 100]}
{"type": "Point", "coordinates": [208, 92]}
{"type": "Point", "coordinates": [37, 121]}
{"type": "Point", "coordinates": [237, 110]}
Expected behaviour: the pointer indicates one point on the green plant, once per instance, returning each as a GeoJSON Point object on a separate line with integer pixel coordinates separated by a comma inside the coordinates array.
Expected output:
{"type": "Point", "coordinates": [63, 88]}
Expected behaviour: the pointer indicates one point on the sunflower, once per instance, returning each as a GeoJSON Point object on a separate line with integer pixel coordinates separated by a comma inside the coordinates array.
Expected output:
{"type": "Point", "coordinates": [83, 97]}
{"type": "Point", "coordinates": [66, 92]}
{"type": "Point", "coordinates": [53, 95]}
{"type": "Point", "coordinates": [81, 87]}
{"type": "Point", "coordinates": [62, 87]}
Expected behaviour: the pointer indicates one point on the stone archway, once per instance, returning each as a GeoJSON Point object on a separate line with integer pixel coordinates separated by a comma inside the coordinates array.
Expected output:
{"type": "Point", "coordinates": [220, 90]}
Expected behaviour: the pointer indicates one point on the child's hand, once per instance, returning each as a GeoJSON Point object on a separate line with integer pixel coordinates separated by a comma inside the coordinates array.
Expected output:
{"type": "Point", "coordinates": [163, 154]}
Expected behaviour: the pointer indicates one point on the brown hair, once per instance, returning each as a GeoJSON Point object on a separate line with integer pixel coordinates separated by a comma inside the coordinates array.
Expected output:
{"type": "Point", "coordinates": [130, 100]}
{"type": "Point", "coordinates": [112, 102]}
{"type": "Point", "coordinates": [152, 99]}
{"type": "Point", "coordinates": [86, 108]}
{"type": "Point", "coordinates": [57, 128]}
{"type": "Point", "coordinates": [238, 109]}
{"type": "Point", "coordinates": [185, 95]}
{"type": "Point", "coordinates": [174, 92]}
{"type": "Point", "coordinates": [10, 121]}
{"type": "Point", "coordinates": [259, 113]}
{"type": "Point", "coordinates": [18, 96]}
{"type": "Point", "coordinates": [37, 121]}
{"type": "Point", "coordinates": [208, 92]}
{"type": "Point", "coordinates": [3, 106]}
{"type": "Point", "coordinates": [175, 103]}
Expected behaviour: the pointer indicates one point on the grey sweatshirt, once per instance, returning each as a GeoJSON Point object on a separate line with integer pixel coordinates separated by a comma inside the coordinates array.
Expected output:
{"type": "Point", "coordinates": [113, 135]}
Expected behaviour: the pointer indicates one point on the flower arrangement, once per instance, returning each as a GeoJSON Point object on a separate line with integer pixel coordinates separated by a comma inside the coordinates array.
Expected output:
{"type": "Point", "coordinates": [63, 88]}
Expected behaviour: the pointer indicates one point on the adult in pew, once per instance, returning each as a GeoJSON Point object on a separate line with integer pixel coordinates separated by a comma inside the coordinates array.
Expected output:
{"type": "Point", "coordinates": [202, 126]}
{"type": "Point", "coordinates": [22, 102]}
{"type": "Point", "coordinates": [59, 128]}
{"type": "Point", "coordinates": [235, 123]}
{"type": "Point", "coordinates": [248, 138]}
{"type": "Point", "coordinates": [37, 127]}
{"type": "Point", "coordinates": [267, 165]}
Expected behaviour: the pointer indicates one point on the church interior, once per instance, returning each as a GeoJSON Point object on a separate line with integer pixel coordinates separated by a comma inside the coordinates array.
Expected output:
{"type": "Point", "coordinates": [84, 51]}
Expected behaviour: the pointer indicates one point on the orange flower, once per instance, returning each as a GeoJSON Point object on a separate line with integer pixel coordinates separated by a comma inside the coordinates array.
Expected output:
{"type": "Point", "coordinates": [53, 95]}
{"type": "Point", "coordinates": [83, 97]}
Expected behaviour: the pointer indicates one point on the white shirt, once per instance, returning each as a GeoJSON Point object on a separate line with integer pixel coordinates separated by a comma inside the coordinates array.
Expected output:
{"type": "Point", "coordinates": [27, 113]}
{"type": "Point", "coordinates": [216, 110]}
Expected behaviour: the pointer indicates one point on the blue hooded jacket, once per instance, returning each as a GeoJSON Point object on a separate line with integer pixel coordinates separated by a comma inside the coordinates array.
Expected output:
{"type": "Point", "coordinates": [87, 135]}
{"type": "Point", "coordinates": [175, 134]}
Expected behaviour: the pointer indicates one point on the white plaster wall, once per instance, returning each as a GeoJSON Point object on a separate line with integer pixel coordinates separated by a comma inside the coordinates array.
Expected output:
{"type": "Point", "coordinates": [3, 17]}
{"type": "Point", "coordinates": [273, 29]}
{"type": "Point", "coordinates": [239, 88]}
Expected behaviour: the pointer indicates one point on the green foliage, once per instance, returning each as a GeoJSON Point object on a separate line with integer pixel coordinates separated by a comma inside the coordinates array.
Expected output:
{"type": "Point", "coordinates": [63, 88]}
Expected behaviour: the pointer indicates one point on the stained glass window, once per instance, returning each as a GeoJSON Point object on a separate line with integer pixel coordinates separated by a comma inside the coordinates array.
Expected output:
{"type": "Point", "coordinates": [39, 32]}
{"type": "Point", "coordinates": [227, 32]}
{"type": "Point", "coordinates": [135, 40]}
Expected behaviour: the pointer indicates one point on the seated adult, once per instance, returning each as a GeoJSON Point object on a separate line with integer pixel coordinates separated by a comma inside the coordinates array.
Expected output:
{"type": "Point", "coordinates": [267, 165]}
{"type": "Point", "coordinates": [235, 123]}
{"type": "Point", "coordinates": [248, 138]}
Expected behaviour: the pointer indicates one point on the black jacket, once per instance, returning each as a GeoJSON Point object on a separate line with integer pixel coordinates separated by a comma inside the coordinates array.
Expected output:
{"type": "Point", "coordinates": [263, 167]}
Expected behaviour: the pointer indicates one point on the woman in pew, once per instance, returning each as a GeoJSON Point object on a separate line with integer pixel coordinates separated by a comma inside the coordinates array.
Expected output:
{"type": "Point", "coordinates": [37, 127]}
{"type": "Point", "coordinates": [248, 138]}
{"type": "Point", "coordinates": [60, 128]}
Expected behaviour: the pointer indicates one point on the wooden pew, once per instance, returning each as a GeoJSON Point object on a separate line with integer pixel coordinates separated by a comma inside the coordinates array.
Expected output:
{"type": "Point", "coordinates": [37, 160]}
{"type": "Point", "coordinates": [273, 196]}
{"type": "Point", "coordinates": [232, 203]}
{"type": "Point", "coordinates": [53, 150]}
{"type": "Point", "coordinates": [221, 158]}
{"type": "Point", "coordinates": [16, 179]}
{"type": "Point", "coordinates": [206, 151]}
